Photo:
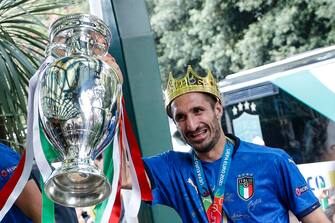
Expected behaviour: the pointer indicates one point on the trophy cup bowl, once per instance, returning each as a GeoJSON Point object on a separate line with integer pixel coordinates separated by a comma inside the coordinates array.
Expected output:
{"type": "Point", "coordinates": [79, 108]}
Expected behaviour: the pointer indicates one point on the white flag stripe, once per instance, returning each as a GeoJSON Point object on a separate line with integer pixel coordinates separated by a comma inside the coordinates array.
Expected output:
{"type": "Point", "coordinates": [116, 174]}
{"type": "Point", "coordinates": [126, 197]}
{"type": "Point", "coordinates": [246, 192]}
{"type": "Point", "coordinates": [133, 203]}
{"type": "Point", "coordinates": [40, 158]}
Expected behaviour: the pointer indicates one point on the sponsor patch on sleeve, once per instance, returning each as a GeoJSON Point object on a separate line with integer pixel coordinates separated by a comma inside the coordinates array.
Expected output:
{"type": "Point", "coordinates": [4, 173]}
{"type": "Point", "coordinates": [300, 190]}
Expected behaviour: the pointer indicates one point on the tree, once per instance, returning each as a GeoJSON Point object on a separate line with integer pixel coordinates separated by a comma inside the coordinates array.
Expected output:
{"type": "Point", "coordinates": [227, 36]}
{"type": "Point", "coordinates": [23, 39]}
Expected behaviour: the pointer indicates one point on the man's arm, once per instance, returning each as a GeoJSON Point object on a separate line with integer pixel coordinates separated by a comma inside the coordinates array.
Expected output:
{"type": "Point", "coordinates": [316, 216]}
{"type": "Point", "coordinates": [30, 201]}
{"type": "Point", "coordinates": [126, 182]}
{"type": "Point", "coordinates": [110, 60]}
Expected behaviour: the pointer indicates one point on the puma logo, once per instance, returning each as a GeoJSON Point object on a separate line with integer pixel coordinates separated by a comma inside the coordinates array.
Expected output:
{"type": "Point", "coordinates": [291, 161]}
{"type": "Point", "coordinates": [189, 180]}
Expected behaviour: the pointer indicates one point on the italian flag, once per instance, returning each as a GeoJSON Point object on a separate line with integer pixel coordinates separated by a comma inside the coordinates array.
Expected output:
{"type": "Point", "coordinates": [246, 191]}
{"type": "Point", "coordinates": [13, 188]}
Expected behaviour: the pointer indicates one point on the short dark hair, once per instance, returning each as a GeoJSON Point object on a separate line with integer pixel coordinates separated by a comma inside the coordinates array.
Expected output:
{"type": "Point", "coordinates": [212, 99]}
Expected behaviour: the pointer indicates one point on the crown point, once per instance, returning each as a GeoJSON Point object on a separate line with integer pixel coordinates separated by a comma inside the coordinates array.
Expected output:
{"type": "Point", "coordinates": [190, 82]}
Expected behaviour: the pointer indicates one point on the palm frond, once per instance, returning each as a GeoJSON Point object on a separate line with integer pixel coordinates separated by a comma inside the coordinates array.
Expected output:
{"type": "Point", "coordinates": [23, 39]}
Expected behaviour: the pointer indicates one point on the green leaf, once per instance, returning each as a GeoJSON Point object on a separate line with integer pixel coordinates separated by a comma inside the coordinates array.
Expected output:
{"type": "Point", "coordinates": [23, 39]}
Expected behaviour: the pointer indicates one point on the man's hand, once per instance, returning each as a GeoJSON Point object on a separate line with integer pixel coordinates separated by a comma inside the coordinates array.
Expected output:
{"type": "Point", "coordinates": [110, 60]}
{"type": "Point", "coordinates": [126, 182]}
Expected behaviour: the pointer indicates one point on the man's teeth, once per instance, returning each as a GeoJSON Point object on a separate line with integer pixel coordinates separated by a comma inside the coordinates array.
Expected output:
{"type": "Point", "coordinates": [198, 133]}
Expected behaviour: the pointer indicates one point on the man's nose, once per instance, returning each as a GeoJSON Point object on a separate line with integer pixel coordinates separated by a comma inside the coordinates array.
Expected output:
{"type": "Point", "coordinates": [191, 124]}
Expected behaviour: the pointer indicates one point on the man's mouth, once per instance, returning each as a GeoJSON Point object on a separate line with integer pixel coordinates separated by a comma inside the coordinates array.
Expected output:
{"type": "Point", "coordinates": [197, 136]}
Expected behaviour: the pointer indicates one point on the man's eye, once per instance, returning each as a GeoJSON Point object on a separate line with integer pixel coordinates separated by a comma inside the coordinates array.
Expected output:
{"type": "Point", "coordinates": [197, 110]}
{"type": "Point", "coordinates": [179, 118]}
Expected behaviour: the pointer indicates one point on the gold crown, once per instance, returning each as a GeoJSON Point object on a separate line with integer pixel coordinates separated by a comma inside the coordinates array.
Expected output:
{"type": "Point", "coordinates": [190, 82]}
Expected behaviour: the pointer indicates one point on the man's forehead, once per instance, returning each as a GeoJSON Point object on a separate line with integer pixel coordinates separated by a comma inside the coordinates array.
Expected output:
{"type": "Point", "coordinates": [188, 101]}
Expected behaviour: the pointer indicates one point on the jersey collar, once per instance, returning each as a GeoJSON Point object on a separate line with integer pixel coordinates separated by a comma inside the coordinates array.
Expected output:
{"type": "Point", "coordinates": [236, 141]}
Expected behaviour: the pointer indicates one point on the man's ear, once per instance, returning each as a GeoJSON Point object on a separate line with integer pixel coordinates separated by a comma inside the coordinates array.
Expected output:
{"type": "Point", "coordinates": [218, 110]}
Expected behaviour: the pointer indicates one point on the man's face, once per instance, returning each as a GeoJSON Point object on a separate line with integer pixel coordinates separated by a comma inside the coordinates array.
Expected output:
{"type": "Point", "coordinates": [197, 120]}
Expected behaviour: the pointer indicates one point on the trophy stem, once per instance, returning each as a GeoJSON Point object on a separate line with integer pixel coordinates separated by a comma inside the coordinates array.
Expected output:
{"type": "Point", "coordinates": [77, 183]}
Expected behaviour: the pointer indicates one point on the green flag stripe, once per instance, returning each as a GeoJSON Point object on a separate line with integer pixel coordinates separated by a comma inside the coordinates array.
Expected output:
{"type": "Point", "coordinates": [50, 153]}
{"type": "Point", "coordinates": [108, 169]}
{"type": "Point", "coordinates": [48, 210]}
{"type": "Point", "coordinates": [241, 189]}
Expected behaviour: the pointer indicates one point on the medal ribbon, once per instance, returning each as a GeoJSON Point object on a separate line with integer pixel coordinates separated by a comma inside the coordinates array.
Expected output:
{"type": "Point", "coordinates": [214, 210]}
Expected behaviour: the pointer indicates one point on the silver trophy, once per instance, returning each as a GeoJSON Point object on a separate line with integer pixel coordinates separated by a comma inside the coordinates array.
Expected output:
{"type": "Point", "coordinates": [79, 108]}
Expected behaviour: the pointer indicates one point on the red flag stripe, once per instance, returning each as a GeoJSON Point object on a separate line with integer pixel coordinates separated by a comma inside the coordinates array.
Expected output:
{"type": "Point", "coordinates": [116, 211]}
{"type": "Point", "coordinates": [137, 159]}
{"type": "Point", "coordinates": [10, 185]}
{"type": "Point", "coordinates": [250, 190]}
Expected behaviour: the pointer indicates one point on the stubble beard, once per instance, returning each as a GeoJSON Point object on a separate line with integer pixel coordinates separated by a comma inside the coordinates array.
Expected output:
{"type": "Point", "coordinates": [205, 148]}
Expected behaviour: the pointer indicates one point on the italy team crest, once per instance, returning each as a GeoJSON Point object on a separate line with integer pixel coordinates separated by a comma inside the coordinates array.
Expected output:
{"type": "Point", "coordinates": [245, 187]}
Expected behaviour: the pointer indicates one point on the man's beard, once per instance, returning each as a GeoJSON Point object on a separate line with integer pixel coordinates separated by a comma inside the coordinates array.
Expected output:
{"type": "Point", "coordinates": [210, 145]}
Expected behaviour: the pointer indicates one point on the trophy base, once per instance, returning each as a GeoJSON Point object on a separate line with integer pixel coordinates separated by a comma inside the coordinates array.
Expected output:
{"type": "Point", "coordinates": [77, 185]}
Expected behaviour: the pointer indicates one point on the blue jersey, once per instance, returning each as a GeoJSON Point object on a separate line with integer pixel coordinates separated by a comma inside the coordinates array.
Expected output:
{"type": "Point", "coordinates": [263, 184]}
{"type": "Point", "coordinates": [8, 162]}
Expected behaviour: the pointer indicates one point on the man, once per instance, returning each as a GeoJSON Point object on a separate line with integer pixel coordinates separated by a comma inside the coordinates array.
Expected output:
{"type": "Point", "coordinates": [223, 179]}
{"type": "Point", "coordinates": [28, 205]}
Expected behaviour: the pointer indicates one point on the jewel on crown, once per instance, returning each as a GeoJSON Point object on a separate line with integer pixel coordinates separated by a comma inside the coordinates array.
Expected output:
{"type": "Point", "coordinates": [190, 82]}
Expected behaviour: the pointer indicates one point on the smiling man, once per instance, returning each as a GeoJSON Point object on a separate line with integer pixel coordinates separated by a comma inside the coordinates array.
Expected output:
{"type": "Point", "coordinates": [223, 179]}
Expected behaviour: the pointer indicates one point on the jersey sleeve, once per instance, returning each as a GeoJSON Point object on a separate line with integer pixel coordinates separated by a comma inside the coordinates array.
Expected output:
{"type": "Point", "coordinates": [8, 162]}
{"type": "Point", "coordinates": [293, 189]}
{"type": "Point", "coordinates": [158, 171]}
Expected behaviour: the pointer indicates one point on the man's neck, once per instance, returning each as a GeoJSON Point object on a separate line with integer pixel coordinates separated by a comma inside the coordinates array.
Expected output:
{"type": "Point", "coordinates": [215, 153]}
